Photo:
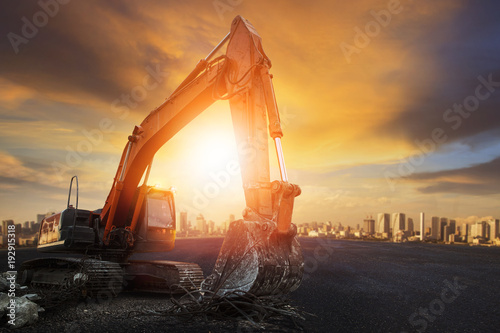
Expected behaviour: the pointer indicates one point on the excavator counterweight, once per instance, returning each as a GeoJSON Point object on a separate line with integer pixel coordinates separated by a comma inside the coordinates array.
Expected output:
{"type": "Point", "coordinates": [260, 254]}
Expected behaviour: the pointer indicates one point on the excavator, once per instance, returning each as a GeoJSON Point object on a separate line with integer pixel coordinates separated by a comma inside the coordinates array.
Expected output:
{"type": "Point", "coordinates": [260, 253]}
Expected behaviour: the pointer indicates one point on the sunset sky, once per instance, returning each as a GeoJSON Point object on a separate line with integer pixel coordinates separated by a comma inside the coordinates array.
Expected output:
{"type": "Point", "coordinates": [387, 106]}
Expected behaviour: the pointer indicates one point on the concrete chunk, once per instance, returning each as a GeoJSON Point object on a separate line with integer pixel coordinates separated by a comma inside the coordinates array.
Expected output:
{"type": "Point", "coordinates": [26, 313]}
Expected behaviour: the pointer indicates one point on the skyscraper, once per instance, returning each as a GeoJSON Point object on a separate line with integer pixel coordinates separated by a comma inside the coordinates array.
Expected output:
{"type": "Point", "coordinates": [409, 225]}
{"type": "Point", "coordinates": [183, 221]}
{"type": "Point", "coordinates": [435, 230]}
{"type": "Point", "coordinates": [398, 222]}
{"type": "Point", "coordinates": [422, 226]}
{"type": "Point", "coordinates": [464, 230]}
{"type": "Point", "coordinates": [494, 224]}
{"type": "Point", "coordinates": [478, 229]}
{"type": "Point", "coordinates": [5, 224]}
{"type": "Point", "coordinates": [453, 226]}
{"type": "Point", "coordinates": [201, 223]}
{"type": "Point", "coordinates": [39, 218]}
{"type": "Point", "coordinates": [383, 223]}
{"type": "Point", "coordinates": [447, 233]}
{"type": "Point", "coordinates": [442, 226]}
{"type": "Point", "coordinates": [369, 226]}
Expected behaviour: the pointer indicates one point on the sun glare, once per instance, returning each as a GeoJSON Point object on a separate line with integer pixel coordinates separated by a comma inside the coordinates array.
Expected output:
{"type": "Point", "coordinates": [213, 151]}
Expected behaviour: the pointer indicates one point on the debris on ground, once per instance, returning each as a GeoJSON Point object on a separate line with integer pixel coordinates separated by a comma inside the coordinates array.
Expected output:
{"type": "Point", "coordinates": [237, 306]}
{"type": "Point", "coordinates": [17, 312]}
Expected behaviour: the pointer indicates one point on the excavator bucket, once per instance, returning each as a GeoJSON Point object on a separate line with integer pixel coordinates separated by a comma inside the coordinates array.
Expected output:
{"type": "Point", "coordinates": [255, 258]}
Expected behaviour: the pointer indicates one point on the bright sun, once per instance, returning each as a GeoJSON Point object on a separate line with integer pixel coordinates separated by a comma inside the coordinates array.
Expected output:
{"type": "Point", "coordinates": [213, 151]}
{"type": "Point", "coordinates": [206, 145]}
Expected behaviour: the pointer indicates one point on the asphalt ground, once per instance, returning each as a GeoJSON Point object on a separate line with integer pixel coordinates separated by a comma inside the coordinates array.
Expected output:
{"type": "Point", "coordinates": [348, 286]}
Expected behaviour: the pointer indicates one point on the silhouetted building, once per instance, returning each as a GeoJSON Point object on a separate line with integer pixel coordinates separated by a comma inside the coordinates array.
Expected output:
{"type": "Point", "coordinates": [5, 224]}
{"type": "Point", "coordinates": [446, 233]}
{"type": "Point", "coordinates": [383, 223]}
{"type": "Point", "coordinates": [369, 226]}
{"type": "Point", "coordinates": [422, 226]}
{"type": "Point", "coordinates": [478, 230]}
{"type": "Point", "coordinates": [398, 222]}
{"type": "Point", "coordinates": [443, 224]}
{"type": "Point", "coordinates": [201, 224]}
{"type": "Point", "coordinates": [409, 225]}
{"type": "Point", "coordinates": [39, 218]}
{"type": "Point", "coordinates": [494, 232]}
{"type": "Point", "coordinates": [464, 230]}
{"type": "Point", "coordinates": [183, 221]}
{"type": "Point", "coordinates": [435, 230]}
{"type": "Point", "coordinates": [35, 227]}
{"type": "Point", "coordinates": [453, 226]}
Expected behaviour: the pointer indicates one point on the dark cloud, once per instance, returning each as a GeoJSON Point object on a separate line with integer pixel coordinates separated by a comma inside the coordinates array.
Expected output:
{"type": "Point", "coordinates": [457, 54]}
{"type": "Point", "coordinates": [85, 49]}
{"type": "Point", "coordinates": [480, 179]}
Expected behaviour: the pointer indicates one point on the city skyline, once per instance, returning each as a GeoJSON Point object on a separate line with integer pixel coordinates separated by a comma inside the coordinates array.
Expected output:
{"type": "Point", "coordinates": [385, 106]}
{"type": "Point", "coordinates": [395, 227]}
{"type": "Point", "coordinates": [184, 218]}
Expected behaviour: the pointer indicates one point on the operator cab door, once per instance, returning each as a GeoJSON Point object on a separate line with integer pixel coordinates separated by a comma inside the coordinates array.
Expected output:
{"type": "Point", "coordinates": [156, 222]}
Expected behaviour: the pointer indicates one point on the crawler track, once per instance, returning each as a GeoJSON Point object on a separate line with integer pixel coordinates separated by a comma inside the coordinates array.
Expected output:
{"type": "Point", "coordinates": [60, 279]}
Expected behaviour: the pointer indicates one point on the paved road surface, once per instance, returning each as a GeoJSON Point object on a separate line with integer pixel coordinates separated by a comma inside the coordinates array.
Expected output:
{"type": "Point", "coordinates": [350, 286]}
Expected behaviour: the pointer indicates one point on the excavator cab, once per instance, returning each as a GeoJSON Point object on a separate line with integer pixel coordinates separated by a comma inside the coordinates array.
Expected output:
{"type": "Point", "coordinates": [78, 230]}
{"type": "Point", "coordinates": [156, 231]}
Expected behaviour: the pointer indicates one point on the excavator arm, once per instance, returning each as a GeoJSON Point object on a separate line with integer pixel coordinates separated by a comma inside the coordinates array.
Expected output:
{"type": "Point", "coordinates": [260, 253]}
{"type": "Point", "coordinates": [243, 77]}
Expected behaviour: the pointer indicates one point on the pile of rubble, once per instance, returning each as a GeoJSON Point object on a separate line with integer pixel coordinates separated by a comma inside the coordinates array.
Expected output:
{"type": "Point", "coordinates": [17, 308]}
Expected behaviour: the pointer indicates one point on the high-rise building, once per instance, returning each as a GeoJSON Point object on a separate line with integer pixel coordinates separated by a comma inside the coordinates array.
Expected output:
{"type": "Point", "coordinates": [5, 231]}
{"type": "Point", "coordinates": [435, 230]}
{"type": "Point", "coordinates": [36, 227]}
{"type": "Point", "coordinates": [409, 225]}
{"type": "Point", "coordinates": [383, 223]}
{"type": "Point", "coordinates": [201, 223]}
{"type": "Point", "coordinates": [478, 230]}
{"type": "Point", "coordinates": [183, 221]}
{"type": "Point", "coordinates": [422, 226]}
{"type": "Point", "coordinates": [39, 218]}
{"type": "Point", "coordinates": [211, 227]}
{"type": "Point", "coordinates": [442, 225]}
{"type": "Point", "coordinates": [464, 230]}
{"type": "Point", "coordinates": [453, 226]}
{"type": "Point", "coordinates": [5, 224]}
{"type": "Point", "coordinates": [447, 233]}
{"type": "Point", "coordinates": [494, 225]}
{"type": "Point", "coordinates": [369, 226]}
{"type": "Point", "coordinates": [398, 222]}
